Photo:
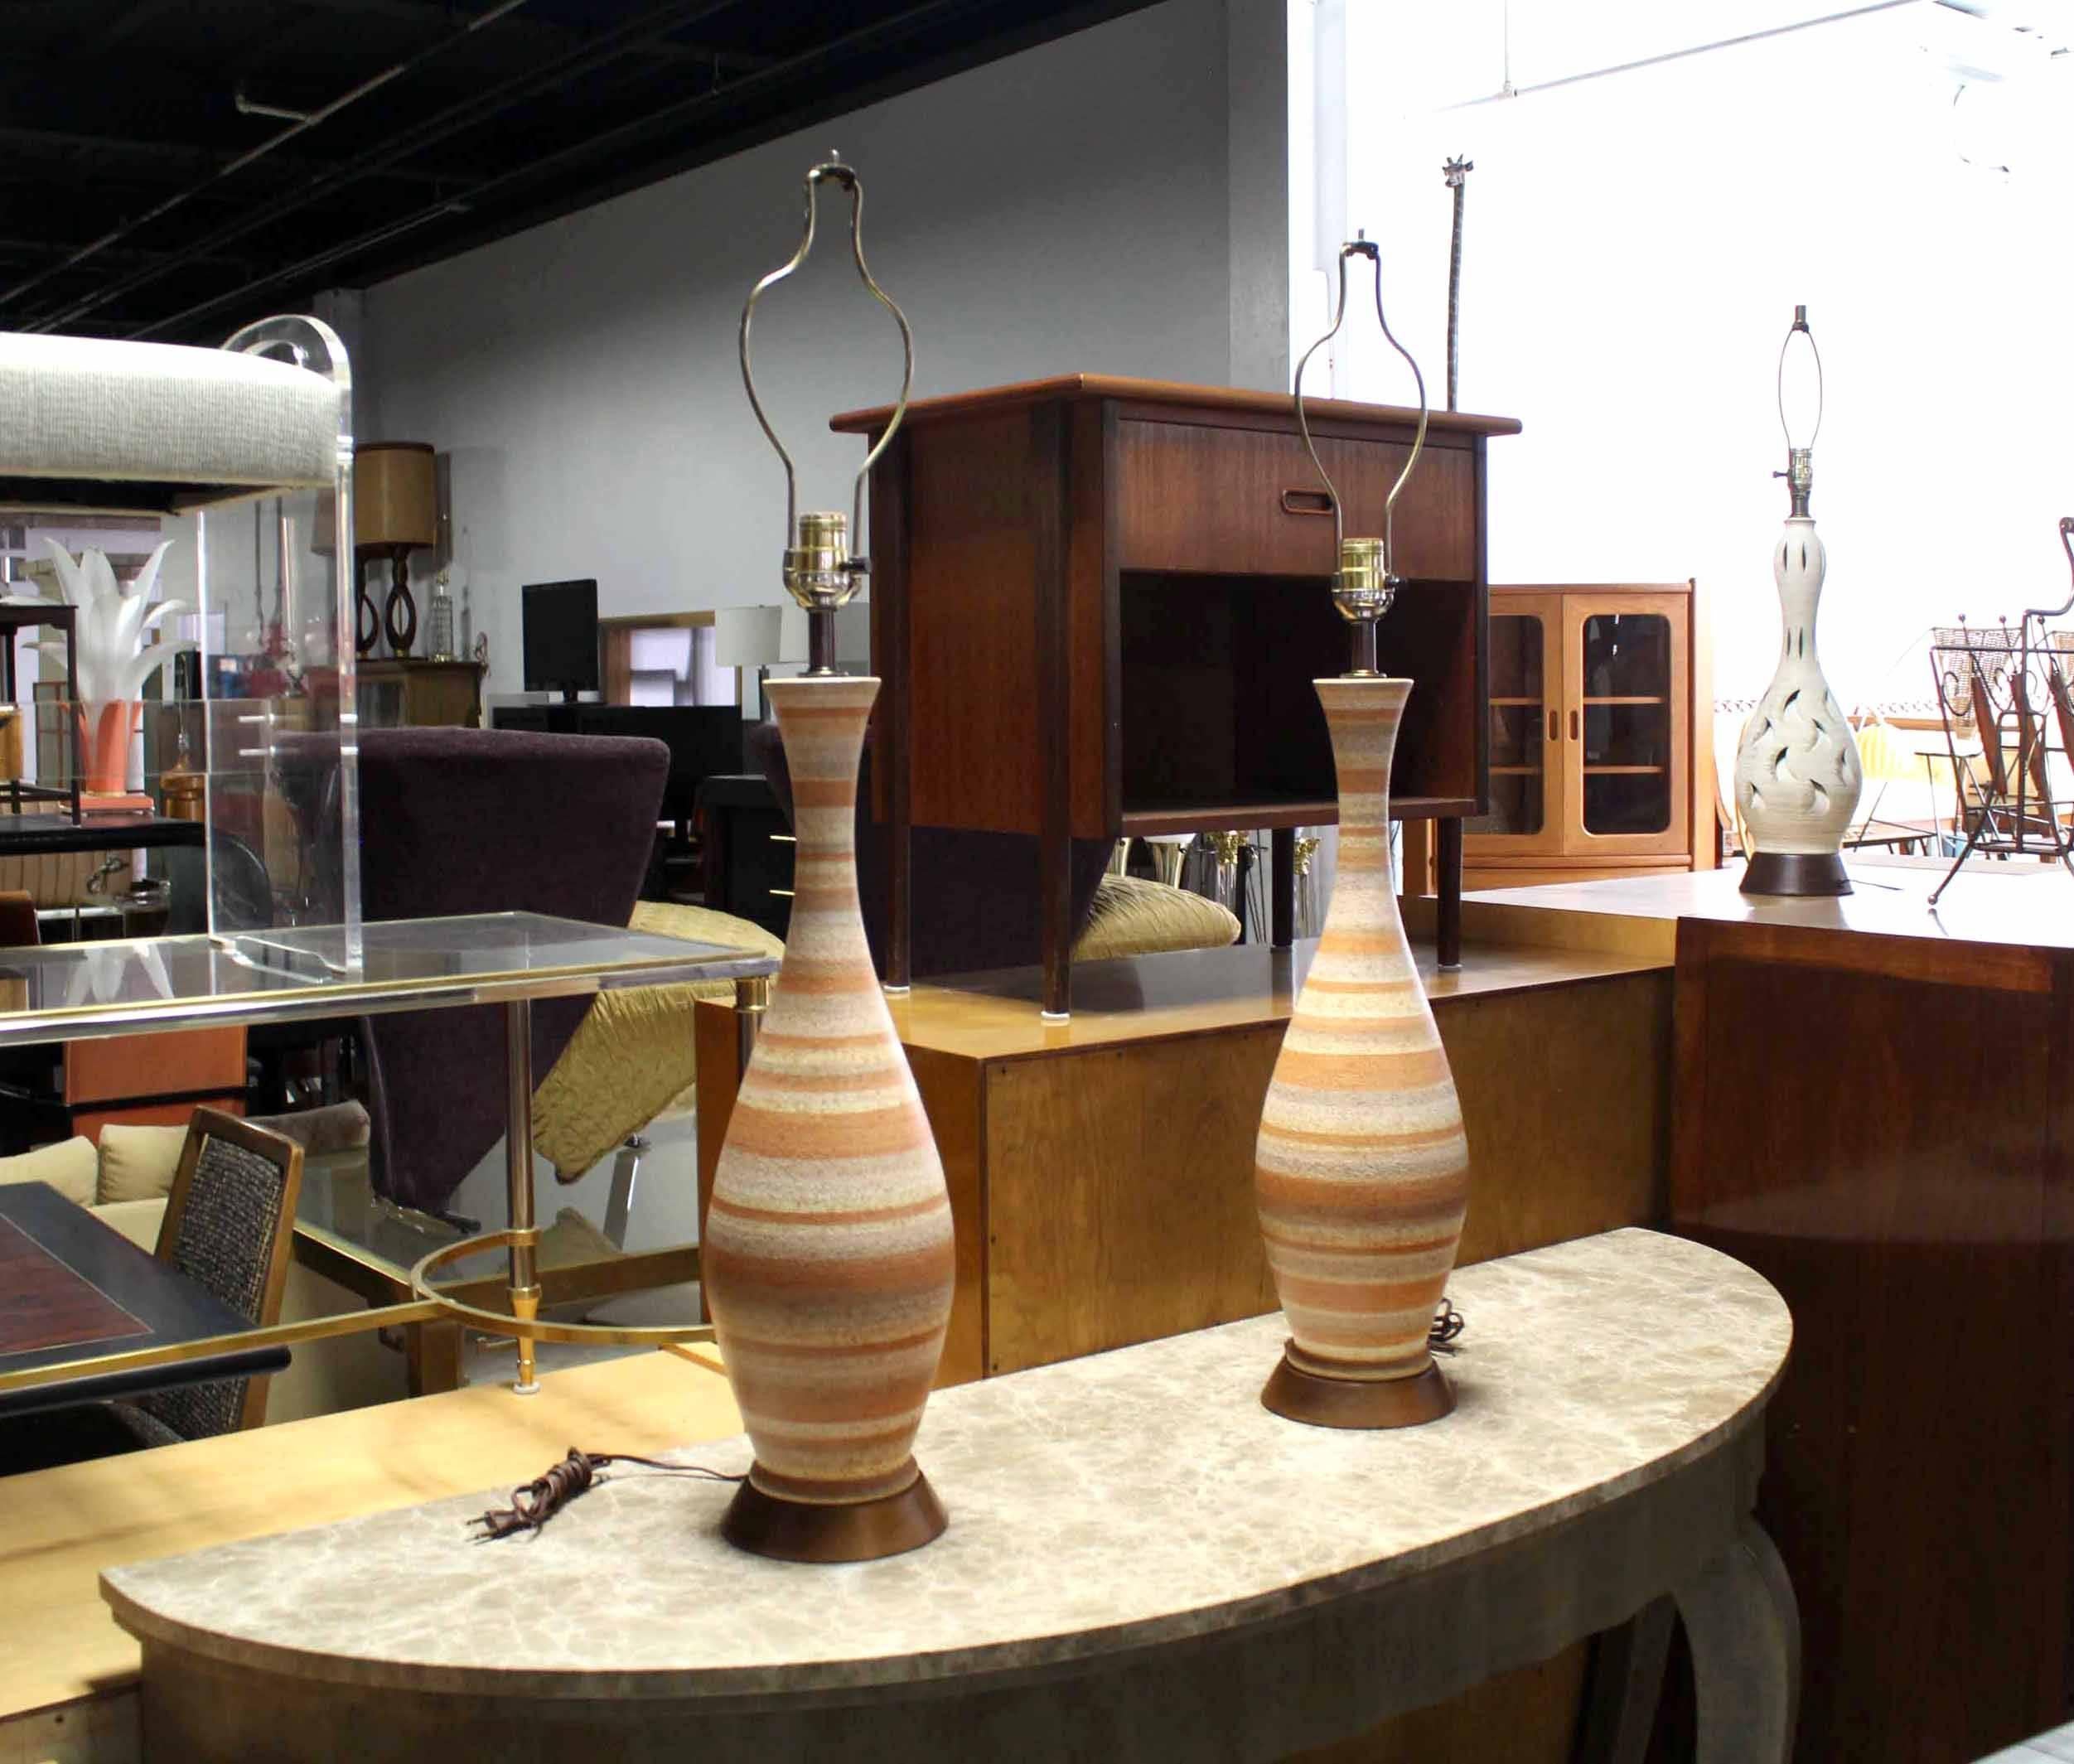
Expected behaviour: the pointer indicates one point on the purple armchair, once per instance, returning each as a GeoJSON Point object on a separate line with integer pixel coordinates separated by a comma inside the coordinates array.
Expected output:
{"type": "Point", "coordinates": [486, 820]}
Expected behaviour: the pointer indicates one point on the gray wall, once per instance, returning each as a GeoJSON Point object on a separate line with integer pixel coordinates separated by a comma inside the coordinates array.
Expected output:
{"type": "Point", "coordinates": [1072, 207]}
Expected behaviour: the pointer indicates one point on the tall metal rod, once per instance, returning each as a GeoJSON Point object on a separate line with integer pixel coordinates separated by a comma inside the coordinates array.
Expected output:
{"type": "Point", "coordinates": [1456, 172]}
{"type": "Point", "coordinates": [518, 1164]}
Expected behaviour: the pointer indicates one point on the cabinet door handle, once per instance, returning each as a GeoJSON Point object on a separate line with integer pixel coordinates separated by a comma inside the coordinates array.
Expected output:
{"type": "Point", "coordinates": [1573, 725]}
{"type": "Point", "coordinates": [1554, 731]}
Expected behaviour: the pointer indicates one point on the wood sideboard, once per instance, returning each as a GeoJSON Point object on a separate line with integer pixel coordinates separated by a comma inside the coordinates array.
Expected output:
{"type": "Point", "coordinates": [1098, 605]}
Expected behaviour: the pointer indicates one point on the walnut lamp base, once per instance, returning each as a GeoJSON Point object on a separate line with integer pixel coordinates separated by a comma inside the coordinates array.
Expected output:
{"type": "Point", "coordinates": [1817, 873]}
{"type": "Point", "coordinates": [1297, 1396]}
{"type": "Point", "coordinates": [766, 1524]}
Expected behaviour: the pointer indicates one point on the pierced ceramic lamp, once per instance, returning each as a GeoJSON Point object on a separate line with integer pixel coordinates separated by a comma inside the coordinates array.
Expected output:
{"type": "Point", "coordinates": [1361, 1172]}
{"type": "Point", "coordinates": [395, 512]}
{"type": "Point", "coordinates": [828, 1247]}
{"type": "Point", "coordinates": [1797, 772]}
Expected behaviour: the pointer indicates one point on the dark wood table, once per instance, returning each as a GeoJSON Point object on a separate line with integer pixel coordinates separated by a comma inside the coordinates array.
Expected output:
{"type": "Point", "coordinates": [42, 835]}
{"type": "Point", "coordinates": [72, 1289]}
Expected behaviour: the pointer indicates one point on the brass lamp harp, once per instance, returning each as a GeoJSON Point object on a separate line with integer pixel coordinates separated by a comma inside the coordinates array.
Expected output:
{"type": "Point", "coordinates": [1363, 583]}
{"type": "Point", "coordinates": [819, 572]}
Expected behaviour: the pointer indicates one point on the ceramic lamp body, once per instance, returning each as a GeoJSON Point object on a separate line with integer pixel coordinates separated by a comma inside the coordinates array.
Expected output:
{"type": "Point", "coordinates": [1361, 1172]}
{"type": "Point", "coordinates": [1798, 774]}
{"type": "Point", "coordinates": [828, 1256]}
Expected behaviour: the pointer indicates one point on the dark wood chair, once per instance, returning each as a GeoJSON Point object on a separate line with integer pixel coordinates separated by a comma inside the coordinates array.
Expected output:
{"type": "Point", "coordinates": [229, 1226]}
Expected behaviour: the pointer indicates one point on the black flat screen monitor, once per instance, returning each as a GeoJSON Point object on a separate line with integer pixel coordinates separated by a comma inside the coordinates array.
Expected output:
{"type": "Point", "coordinates": [560, 636]}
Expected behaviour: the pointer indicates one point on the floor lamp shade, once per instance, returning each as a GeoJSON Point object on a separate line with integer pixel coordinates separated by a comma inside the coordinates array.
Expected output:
{"type": "Point", "coordinates": [395, 512]}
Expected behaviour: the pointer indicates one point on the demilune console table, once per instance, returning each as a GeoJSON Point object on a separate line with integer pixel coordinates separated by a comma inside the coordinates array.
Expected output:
{"type": "Point", "coordinates": [1141, 1564]}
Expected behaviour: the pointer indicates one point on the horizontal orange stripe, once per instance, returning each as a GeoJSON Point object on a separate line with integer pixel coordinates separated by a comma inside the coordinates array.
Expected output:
{"type": "Point", "coordinates": [824, 793]}
{"type": "Point", "coordinates": [803, 1134]}
{"type": "Point", "coordinates": [1318, 984]}
{"type": "Point", "coordinates": [856, 1215]}
{"type": "Point", "coordinates": [1383, 1072]}
{"type": "Point", "coordinates": [1374, 1297]}
{"type": "Point", "coordinates": [1281, 1195]}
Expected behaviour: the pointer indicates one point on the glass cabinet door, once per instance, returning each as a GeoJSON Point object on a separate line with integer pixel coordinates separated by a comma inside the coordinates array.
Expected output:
{"type": "Point", "coordinates": [1624, 752]}
{"type": "Point", "coordinates": [1526, 675]}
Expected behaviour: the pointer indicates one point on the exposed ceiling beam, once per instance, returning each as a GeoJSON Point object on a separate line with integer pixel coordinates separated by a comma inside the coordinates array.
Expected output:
{"type": "Point", "coordinates": [17, 250]}
{"type": "Point", "coordinates": [645, 26]}
{"type": "Point", "coordinates": [545, 32]}
{"type": "Point", "coordinates": [175, 159]}
{"type": "Point", "coordinates": [880, 34]}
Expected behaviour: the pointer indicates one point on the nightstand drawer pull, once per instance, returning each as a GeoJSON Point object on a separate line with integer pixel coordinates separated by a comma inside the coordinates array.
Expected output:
{"type": "Point", "coordinates": [782, 894]}
{"type": "Point", "coordinates": [1305, 502]}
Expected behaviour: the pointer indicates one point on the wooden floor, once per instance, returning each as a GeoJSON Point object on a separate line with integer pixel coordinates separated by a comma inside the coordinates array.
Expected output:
{"type": "Point", "coordinates": [64, 1526]}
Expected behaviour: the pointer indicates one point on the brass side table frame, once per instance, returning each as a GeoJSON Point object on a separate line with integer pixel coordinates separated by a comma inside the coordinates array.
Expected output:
{"type": "Point", "coordinates": [505, 958]}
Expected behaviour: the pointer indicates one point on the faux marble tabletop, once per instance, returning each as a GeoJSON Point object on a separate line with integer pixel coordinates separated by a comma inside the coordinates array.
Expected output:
{"type": "Point", "coordinates": [1114, 1502]}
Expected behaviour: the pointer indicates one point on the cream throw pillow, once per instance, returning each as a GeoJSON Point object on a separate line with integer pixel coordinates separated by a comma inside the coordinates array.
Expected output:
{"type": "Point", "coordinates": [137, 1163]}
{"type": "Point", "coordinates": [68, 1168]}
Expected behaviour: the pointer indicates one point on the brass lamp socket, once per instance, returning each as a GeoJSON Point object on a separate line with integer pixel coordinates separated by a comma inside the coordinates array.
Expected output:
{"type": "Point", "coordinates": [818, 570]}
{"type": "Point", "coordinates": [1363, 588]}
{"type": "Point", "coordinates": [1799, 477]}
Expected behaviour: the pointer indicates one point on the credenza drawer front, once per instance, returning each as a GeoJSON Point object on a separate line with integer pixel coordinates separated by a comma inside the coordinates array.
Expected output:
{"type": "Point", "coordinates": [1190, 497]}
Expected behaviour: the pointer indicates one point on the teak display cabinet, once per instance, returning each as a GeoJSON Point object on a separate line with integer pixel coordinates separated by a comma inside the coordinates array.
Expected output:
{"type": "Point", "coordinates": [1601, 736]}
{"type": "Point", "coordinates": [1098, 606]}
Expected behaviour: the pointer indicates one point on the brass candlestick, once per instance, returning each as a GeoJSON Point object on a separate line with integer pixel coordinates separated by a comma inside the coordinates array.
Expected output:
{"type": "Point", "coordinates": [819, 572]}
{"type": "Point", "coordinates": [1363, 584]}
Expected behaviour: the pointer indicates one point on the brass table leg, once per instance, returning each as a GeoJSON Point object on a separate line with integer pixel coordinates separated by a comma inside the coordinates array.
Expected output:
{"type": "Point", "coordinates": [751, 1000]}
{"type": "Point", "coordinates": [518, 1154]}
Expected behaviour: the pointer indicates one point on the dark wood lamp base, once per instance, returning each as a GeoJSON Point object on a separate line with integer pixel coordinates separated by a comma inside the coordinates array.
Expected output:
{"type": "Point", "coordinates": [1297, 1396]}
{"type": "Point", "coordinates": [1795, 872]}
{"type": "Point", "coordinates": [766, 1524]}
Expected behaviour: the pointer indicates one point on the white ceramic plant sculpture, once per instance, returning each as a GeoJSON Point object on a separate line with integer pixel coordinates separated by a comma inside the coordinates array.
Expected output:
{"type": "Point", "coordinates": [1798, 774]}
{"type": "Point", "coordinates": [114, 658]}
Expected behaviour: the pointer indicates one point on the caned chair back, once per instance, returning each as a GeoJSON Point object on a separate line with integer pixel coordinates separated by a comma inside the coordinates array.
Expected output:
{"type": "Point", "coordinates": [229, 1225]}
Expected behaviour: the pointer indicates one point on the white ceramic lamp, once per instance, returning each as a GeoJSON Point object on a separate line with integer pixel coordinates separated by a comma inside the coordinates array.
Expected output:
{"type": "Point", "coordinates": [1798, 774]}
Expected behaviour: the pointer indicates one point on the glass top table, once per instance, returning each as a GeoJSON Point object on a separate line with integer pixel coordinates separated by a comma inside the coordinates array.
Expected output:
{"type": "Point", "coordinates": [73, 992]}
{"type": "Point", "coordinates": [70, 992]}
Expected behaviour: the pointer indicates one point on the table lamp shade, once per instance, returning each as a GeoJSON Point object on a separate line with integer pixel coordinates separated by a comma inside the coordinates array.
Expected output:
{"type": "Point", "coordinates": [395, 495]}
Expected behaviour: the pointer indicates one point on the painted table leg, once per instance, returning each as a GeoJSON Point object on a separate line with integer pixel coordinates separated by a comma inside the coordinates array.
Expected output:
{"type": "Point", "coordinates": [1744, 1626]}
{"type": "Point", "coordinates": [1627, 1679]}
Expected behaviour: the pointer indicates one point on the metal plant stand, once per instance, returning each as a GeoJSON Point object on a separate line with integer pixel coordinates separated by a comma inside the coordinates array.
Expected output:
{"type": "Point", "coordinates": [2015, 692]}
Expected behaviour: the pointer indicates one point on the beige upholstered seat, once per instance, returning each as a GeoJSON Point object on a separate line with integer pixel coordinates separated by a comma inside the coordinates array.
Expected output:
{"type": "Point", "coordinates": [1133, 916]}
{"type": "Point", "coordinates": [198, 424]}
{"type": "Point", "coordinates": [632, 1060]}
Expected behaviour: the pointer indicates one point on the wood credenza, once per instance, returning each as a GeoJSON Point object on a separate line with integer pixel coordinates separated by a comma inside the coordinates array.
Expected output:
{"type": "Point", "coordinates": [1098, 605]}
{"type": "Point", "coordinates": [1872, 1111]}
